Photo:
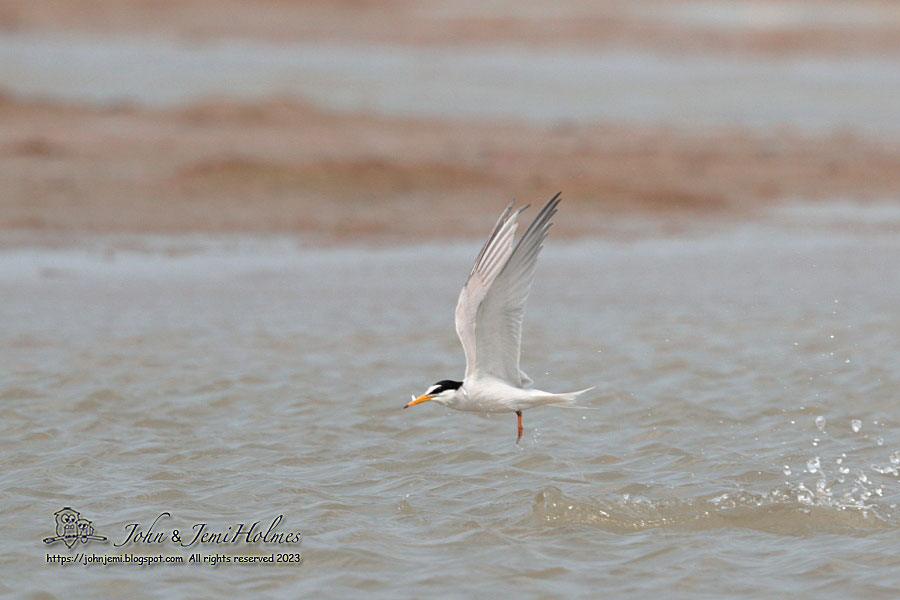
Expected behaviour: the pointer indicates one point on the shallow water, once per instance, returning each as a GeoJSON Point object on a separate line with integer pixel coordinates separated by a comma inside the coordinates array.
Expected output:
{"type": "Point", "coordinates": [811, 93]}
{"type": "Point", "coordinates": [234, 379]}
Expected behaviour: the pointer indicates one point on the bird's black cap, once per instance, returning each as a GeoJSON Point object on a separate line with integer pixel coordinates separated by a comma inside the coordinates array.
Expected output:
{"type": "Point", "coordinates": [444, 385]}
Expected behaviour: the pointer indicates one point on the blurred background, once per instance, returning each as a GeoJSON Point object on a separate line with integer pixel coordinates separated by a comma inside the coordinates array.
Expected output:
{"type": "Point", "coordinates": [398, 120]}
{"type": "Point", "coordinates": [232, 236]}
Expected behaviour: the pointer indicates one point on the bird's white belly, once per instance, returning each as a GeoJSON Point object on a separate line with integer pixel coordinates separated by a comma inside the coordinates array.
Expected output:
{"type": "Point", "coordinates": [495, 396]}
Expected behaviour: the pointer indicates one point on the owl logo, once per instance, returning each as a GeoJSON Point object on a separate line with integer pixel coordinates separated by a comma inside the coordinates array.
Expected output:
{"type": "Point", "coordinates": [72, 528]}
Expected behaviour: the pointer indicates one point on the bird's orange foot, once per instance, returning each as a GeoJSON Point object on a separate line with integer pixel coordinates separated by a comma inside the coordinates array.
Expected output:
{"type": "Point", "coordinates": [519, 415]}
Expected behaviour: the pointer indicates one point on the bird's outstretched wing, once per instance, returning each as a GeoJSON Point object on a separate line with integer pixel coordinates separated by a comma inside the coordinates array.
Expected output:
{"type": "Point", "coordinates": [491, 305]}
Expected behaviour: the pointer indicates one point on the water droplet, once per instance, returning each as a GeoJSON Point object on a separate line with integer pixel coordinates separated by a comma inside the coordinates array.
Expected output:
{"type": "Point", "coordinates": [787, 470]}
{"type": "Point", "coordinates": [820, 423]}
{"type": "Point", "coordinates": [895, 457]}
{"type": "Point", "coordinates": [855, 425]}
{"type": "Point", "coordinates": [879, 440]}
{"type": "Point", "coordinates": [812, 465]}
{"type": "Point", "coordinates": [844, 470]}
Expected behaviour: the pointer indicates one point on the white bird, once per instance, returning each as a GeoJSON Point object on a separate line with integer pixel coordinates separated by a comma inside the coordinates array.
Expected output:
{"type": "Point", "coordinates": [489, 317]}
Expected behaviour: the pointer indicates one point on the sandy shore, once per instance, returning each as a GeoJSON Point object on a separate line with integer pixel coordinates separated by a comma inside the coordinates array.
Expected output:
{"type": "Point", "coordinates": [282, 167]}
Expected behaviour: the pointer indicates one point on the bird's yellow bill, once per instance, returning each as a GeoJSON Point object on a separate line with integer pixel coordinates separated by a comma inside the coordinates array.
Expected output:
{"type": "Point", "coordinates": [419, 400]}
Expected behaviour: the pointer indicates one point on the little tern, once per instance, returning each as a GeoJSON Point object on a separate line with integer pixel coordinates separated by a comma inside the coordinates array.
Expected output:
{"type": "Point", "coordinates": [489, 317]}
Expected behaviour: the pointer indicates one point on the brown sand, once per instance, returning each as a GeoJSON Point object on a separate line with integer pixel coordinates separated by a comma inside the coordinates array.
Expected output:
{"type": "Point", "coordinates": [279, 166]}
{"type": "Point", "coordinates": [282, 167]}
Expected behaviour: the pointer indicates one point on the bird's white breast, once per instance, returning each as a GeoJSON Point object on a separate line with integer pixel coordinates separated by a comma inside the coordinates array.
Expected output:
{"type": "Point", "coordinates": [493, 395]}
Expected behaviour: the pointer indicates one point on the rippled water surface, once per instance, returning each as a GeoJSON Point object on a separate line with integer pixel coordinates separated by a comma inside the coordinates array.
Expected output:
{"type": "Point", "coordinates": [744, 441]}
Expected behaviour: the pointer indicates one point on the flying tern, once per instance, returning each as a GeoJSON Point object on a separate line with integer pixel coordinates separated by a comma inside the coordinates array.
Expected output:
{"type": "Point", "coordinates": [489, 317]}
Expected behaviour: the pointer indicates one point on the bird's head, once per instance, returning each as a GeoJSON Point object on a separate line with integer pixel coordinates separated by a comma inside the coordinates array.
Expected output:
{"type": "Point", "coordinates": [444, 392]}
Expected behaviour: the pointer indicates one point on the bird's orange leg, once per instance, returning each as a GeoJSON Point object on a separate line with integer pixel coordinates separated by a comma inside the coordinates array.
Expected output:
{"type": "Point", "coordinates": [519, 415]}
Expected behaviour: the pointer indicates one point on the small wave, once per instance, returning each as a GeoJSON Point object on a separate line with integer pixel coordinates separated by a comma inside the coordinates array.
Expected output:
{"type": "Point", "coordinates": [790, 511]}
{"type": "Point", "coordinates": [19, 393]}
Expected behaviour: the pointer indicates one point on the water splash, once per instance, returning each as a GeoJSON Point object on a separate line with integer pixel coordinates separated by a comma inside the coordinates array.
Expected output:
{"type": "Point", "coordinates": [845, 481]}
{"type": "Point", "coordinates": [791, 510]}
{"type": "Point", "coordinates": [813, 465]}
